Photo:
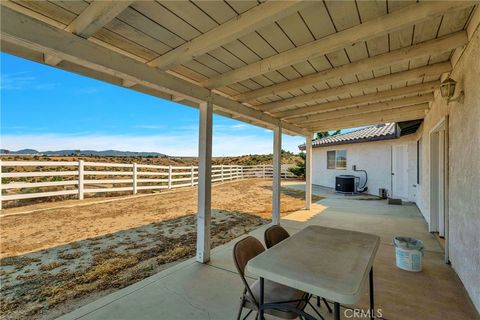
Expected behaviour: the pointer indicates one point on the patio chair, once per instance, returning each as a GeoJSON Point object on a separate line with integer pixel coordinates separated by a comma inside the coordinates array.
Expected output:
{"type": "Point", "coordinates": [276, 234]}
{"type": "Point", "coordinates": [247, 249]}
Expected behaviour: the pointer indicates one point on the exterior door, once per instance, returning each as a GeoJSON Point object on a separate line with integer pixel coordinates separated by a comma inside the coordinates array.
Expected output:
{"type": "Point", "coordinates": [439, 183]}
{"type": "Point", "coordinates": [400, 171]}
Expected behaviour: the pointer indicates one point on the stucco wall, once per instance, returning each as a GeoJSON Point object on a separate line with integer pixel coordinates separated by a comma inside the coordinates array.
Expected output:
{"type": "Point", "coordinates": [464, 169]}
{"type": "Point", "coordinates": [374, 157]}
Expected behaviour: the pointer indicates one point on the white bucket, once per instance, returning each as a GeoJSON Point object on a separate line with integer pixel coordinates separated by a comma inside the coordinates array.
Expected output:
{"type": "Point", "coordinates": [409, 253]}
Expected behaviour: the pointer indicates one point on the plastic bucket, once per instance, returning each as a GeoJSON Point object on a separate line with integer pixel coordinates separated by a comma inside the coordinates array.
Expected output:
{"type": "Point", "coordinates": [408, 253]}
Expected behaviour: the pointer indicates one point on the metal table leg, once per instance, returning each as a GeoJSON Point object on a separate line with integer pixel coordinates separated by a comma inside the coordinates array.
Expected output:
{"type": "Point", "coordinates": [336, 311]}
{"type": "Point", "coordinates": [260, 312]}
{"type": "Point", "coordinates": [372, 306]}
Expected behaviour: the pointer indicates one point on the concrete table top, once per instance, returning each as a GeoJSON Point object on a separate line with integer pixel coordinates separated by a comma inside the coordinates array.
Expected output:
{"type": "Point", "coordinates": [327, 262]}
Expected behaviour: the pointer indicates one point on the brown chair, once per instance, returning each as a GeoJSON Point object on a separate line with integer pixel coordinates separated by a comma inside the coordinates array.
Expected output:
{"type": "Point", "coordinates": [276, 234]}
{"type": "Point", "coordinates": [247, 249]}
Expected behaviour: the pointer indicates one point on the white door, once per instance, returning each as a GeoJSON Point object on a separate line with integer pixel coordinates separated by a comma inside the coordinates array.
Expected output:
{"type": "Point", "coordinates": [400, 171]}
{"type": "Point", "coordinates": [441, 183]}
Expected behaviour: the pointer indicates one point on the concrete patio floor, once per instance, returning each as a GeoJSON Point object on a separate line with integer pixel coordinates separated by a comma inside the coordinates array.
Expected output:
{"type": "Point", "coordinates": [191, 290]}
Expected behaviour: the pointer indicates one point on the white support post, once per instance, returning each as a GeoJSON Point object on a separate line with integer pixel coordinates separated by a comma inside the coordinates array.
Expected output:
{"type": "Point", "coordinates": [170, 170]}
{"type": "Point", "coordinates": [80, 179]}
{"type": "Point", "coordinates": [204, 181]}
{"type": "Point", "coordinates": [192, 173]}
{"type": "Point", "coordinates": [263, 171]}
{"type": "Point", "coordinates": [308, 172]}
{"type": "Point", "coordinates": [134, 174]}
{"type": "Point", "coordinates": [221, 172]}
{"type": "Point", "coordinates": [277, 167]}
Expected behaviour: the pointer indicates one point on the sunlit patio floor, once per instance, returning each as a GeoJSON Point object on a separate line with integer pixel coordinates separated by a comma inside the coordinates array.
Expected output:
{"type": "Point", "coordinates": [191, 290]}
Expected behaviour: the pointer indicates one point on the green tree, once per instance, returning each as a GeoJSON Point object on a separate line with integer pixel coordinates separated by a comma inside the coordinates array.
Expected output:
{"type": "Point", "coordinates": [324, 134]}
{"type": "Point", "coordinates": [299, 169]}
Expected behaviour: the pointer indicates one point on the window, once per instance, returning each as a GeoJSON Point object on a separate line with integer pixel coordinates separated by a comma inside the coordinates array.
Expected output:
{"type": "Point", "coordinates": [331, 159]}
{"type": "Point", "coordinates": [337, 159]}
{"type": "Point", "coordinates": [341, 159]}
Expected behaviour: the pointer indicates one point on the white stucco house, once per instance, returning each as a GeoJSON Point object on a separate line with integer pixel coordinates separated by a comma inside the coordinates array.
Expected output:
{"type": "Point", "coordinates": [385, 158]}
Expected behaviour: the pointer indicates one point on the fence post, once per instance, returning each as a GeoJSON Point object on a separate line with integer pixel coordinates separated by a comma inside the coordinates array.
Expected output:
{"type": "Point", "coordinates": [1, 184]}
{"type": "Point", "coordinates": [80, 179]}
{"type": "Point", "coordinates": [192, 172]}
{"type": "Point", "coordinates": [170, 177]}
{"type": "Point", "coordinates": [221, 172]}
{"type": "Point", "coordinates": [134, 170]}
{"type": "Point", "coordinates": [241, 172]}
{"type": "Point", "coordinates": [263, 171]}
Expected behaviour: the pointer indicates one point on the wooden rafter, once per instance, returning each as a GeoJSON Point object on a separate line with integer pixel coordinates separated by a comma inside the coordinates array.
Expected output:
{"type": "Point", "coordinates": [27, 32]}
{"type": "Point", "coordinates": [304, 114]}
{"type": "Point", "coordinates": [400, 114]}
{"type": "Point", "coordinates": [371, 29]}
{"type": "Point", "coordinates": [375, 107]}
{"type": "Point", "coordinates": [417, 73]}
{"type": "Point", "coordinates": [51, 60]}
{"type": "Point", "coordinates": [92, 19]}
{"type": "Point", "coordinates": [235, 28]}
{"type": "Point", "coordinates": [435, 46]}
{"type": "Point", "coordinates": [95, 16]}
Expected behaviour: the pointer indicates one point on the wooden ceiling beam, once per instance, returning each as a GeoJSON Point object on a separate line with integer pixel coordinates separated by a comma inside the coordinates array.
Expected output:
{"type": "Point", "coordinates": [128, 83]}
{"type": "Point", "coordinates": [96, 16]}
{"type": "Point", "coordinates": [90, 20]}
{"type": "Point", "coordinates": [304, 114]}
{"type": "Point", "coordinates": [238, 26]}
{"type": "Point", "coordinates": [436, 46]}
{"type": "Point", "coordinates": [403, 76]}
{"type": "Point", "coordinates": [357, 111]}
{"type": "Point", "coordinates": [51, 60]}
{"type": "Point", "coordinates": [400, 114]}
{"type": "Point", "coordinates": [28, 32]}
{"type": "Point", "coordinates": [406, 16]}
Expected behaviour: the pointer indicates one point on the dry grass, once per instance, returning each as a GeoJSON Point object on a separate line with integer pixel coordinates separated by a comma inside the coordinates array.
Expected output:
{"type": "Point", "coordinates": [50, 266]}
{"type": "Point", "coordinates": [64, 263]}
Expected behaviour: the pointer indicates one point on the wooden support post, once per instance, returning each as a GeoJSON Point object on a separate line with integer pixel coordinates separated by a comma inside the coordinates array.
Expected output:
{"type": "Point", "coordinates": [134, 182]}
{"type": "Point", "coordinates": [192, 172]}
{"type": "Point", "coordinates": [308, 172]}
{"type": "Point", "coordinates": [277, 167]}
{"type": "Point", "coordinates": [80, 179]}
{"type": "Point", "coordinates": [204, 181]}
{"type": "Point", "coordinates": [170, 176]}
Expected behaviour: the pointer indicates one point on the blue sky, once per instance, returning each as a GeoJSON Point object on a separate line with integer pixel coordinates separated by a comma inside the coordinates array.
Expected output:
{"type": "Point", "coordinates": [45, 108]}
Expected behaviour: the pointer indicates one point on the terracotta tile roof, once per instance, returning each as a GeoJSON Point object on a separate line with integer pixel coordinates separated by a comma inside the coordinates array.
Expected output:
{"type": "Point", "coordinates": [373, 133]}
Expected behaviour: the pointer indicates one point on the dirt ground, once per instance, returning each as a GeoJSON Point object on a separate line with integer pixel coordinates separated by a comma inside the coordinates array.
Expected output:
{"type": "Point", "coordinates": [57, 259]}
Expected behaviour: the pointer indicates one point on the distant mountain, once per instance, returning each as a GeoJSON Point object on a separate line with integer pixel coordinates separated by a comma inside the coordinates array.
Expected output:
{"type": "Point", "coordinates": [104, 153]}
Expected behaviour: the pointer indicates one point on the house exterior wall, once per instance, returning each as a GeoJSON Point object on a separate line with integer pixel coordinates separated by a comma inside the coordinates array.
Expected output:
{"type": "Point", "coordinates": [464, 169]}
{"type": "Point", "coordinates": [374, 157]}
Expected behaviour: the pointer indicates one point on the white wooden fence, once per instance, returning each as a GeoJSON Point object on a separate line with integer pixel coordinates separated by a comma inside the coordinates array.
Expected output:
{"type": "Point", "coordinates": [80, 178]}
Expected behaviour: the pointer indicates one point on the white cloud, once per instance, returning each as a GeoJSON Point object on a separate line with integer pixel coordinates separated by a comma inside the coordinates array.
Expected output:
{"type": "Point", "coordinates": [149, 126]}
{"type": "Point", "coordinates": [181, 144]}
{"type": "Point", "coordinates": [23, 80]}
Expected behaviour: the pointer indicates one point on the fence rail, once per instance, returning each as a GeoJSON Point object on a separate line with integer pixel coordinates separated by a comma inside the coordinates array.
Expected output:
{"type": "Point", "coordinates": [83, 177]}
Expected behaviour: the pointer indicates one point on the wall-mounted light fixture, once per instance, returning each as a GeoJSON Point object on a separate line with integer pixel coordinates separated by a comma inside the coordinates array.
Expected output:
{"type": "Point", "coordinates": [449, 89]}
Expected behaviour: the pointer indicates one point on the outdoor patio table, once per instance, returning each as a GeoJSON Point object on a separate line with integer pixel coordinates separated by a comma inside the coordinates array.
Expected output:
{"type": "Point", "coordinates": [327, 262]}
